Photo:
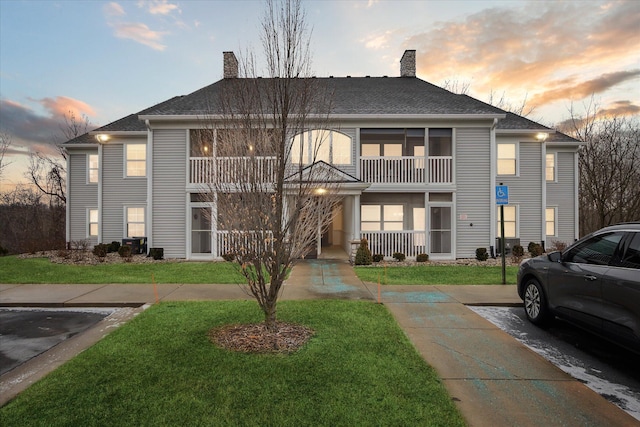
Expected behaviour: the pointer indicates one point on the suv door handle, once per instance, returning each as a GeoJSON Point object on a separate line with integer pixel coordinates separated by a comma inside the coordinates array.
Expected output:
{"type": "Point", "coordinates": [590, 277]}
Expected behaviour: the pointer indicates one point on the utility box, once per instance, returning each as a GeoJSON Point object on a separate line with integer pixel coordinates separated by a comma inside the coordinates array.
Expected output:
{"type": "Point", "coordinates": [509, 243]}
{"type": "Point", "coordinates": [138, 245]}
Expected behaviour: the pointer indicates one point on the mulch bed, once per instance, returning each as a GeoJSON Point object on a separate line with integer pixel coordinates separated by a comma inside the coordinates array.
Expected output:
{"type": "Point", "coordinates": [255, 338]}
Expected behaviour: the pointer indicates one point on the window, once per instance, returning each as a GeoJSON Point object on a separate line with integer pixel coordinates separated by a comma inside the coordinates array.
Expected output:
{"type": "Point", "coordinates": [550, 171]}
{"type": "Point", "coordinates": [136, 159]}
{"type": "Point", "coordinates": [440, 142]}
{"type": "Point", "coordinates": [506, 159]}
{"type": "Point", "coordinates": [135, 222]}
{"type": "Point", "coordinates": [93, 223]}
{"type": "Point", "coordinates": [631, 257]}
{"type": "Point", "coordinates": [510, 222]}
{"type": "Point", "coordinates": [550, 221]}
{"type": "Point", "coordinates": [321, 145]}
{"type": "Point", "coordinates": [93, 168]}
{"type": "Point", "coordinates": [598, 250]}
{"type": "Point", "coordinates": [382, 217]}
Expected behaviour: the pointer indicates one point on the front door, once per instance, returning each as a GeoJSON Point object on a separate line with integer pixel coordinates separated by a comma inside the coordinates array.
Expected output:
{"type": "Point", "coordinates": [440, 233]}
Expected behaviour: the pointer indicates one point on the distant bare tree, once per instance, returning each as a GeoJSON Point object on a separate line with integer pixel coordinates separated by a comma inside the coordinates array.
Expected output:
{"type": "Point", "coordinates": [5, 142]}
{"type": "Point", "coordinates": [609, 167]}
{"type": "Point", "coordinates": [456, 86]}
{"type": "Point", "coordinates": [521, 108]}
{"type": "Point", "coordinates": [47, 172]}
{"type": "Point", "coordinates": [272, 199]}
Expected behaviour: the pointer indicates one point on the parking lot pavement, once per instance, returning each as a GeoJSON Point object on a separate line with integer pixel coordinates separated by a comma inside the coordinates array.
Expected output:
{"type": "Point", "coordinates": [28, 332]}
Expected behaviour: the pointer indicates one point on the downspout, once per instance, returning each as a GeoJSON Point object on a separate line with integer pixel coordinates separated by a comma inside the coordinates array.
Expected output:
{"type": "Point", "coordinates": [149, 211]}
{"type": "Point", "coordinates": [100, 180]}
{"type": "Point", "coordinates": [492, 193]}
{"type": "Point", "coordinates": [543, 223]}
{"type": "Point", "coordinates": [68, 203]}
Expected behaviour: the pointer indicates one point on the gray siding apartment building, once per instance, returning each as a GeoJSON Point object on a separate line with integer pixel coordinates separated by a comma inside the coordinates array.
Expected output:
{"type": "Point", "coordinates": [420, 166]}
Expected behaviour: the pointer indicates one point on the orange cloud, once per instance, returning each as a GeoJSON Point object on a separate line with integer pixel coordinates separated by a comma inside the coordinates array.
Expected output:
{"type": "Point", "coordinates": [159, 7]}
{"type": "Point", "coordinates": [62, 105]}
{"type": "Point", "coordinates": [567, 90]}
{"type": "Point", "coordinates": [535, 45]}
{"type": "Point", "coordinates": [620, 108]}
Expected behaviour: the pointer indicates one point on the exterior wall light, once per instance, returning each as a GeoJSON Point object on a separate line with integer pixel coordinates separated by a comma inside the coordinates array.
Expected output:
{"type": "Point", "coordinates": [102, 137]}
{"type": "Point", "coordinates": [541, 136]}
{"type": "Point", "coordinates": [320, 191]}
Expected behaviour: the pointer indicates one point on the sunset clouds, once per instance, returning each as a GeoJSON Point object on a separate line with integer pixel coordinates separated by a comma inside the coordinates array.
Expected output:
{"type": "Point", "coordinates": [138, 31]}
{"type": "Point", "coordinates": [555, 51]}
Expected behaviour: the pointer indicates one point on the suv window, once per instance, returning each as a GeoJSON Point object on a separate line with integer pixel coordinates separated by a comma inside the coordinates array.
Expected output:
{"type": "Point", "coordinates": [597, 250]}
{"type": "Point", "coordinates": [631, 255]}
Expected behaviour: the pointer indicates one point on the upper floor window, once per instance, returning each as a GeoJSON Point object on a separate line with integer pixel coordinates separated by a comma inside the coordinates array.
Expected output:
{"type": "Point", "coordinates": [550, 169]}
{"type": "Point", "coordinates": [392, 142]}
{"type": "Point", "coordinates": [136, 159]}
{"type": "Point", "coordinates": [321, 145]}
{"type": "Point", "coordinates": [440, 142]}
{"type": "Point", "coordinates": [507, 159]}
{"type": "Point", "coordinates": [93, 168]}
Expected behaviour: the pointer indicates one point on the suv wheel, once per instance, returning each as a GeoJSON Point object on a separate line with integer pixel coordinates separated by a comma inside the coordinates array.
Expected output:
{"type": "Point", "coordinates": [535, 304]}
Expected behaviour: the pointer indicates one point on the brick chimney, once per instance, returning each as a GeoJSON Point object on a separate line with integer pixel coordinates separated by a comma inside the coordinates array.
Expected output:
{"type": "Point", "coordinates": [231, 65]}
{"type": "Point", "coordinates": [408, 64]}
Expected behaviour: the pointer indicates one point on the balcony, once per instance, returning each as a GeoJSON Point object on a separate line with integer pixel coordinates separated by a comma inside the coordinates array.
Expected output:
{"type": "Point", "coordinates": [206, 170]}
{"type": "Point", "coordinates": [407, 170]}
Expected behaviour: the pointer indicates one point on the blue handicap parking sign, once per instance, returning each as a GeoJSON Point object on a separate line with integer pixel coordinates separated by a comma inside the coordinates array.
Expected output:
{"type": "Point", "coordinates": [502, 194]}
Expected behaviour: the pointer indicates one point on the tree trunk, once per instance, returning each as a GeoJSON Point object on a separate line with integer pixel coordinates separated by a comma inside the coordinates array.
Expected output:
{"type": "Point", "coordinates": [270, 316]}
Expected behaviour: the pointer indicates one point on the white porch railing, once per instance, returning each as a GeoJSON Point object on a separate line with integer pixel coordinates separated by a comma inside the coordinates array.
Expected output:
{"type": "Point", "coordinates": [406, 170]}
{"type": "Point", "coordinates": [205, 170]}
{"type": "Point", "coordinates": [232, 242]}
{"type": "Point", "coordinates": [411, 243]}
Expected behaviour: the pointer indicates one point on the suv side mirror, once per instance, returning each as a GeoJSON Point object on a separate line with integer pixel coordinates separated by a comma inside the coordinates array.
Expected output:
{"type": "Point", "coordinates": [555, 256]}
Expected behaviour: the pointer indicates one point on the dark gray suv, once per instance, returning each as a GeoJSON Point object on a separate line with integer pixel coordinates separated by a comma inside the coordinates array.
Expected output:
{"type": "Point", "coordinates": [594, 283]}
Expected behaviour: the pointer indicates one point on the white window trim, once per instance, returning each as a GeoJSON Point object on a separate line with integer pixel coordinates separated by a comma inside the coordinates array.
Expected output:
{"type": "Point", "coordinates": [89, 169]}
{"type": "Point", "coordinates": [517, 159]}
{"type": "Point", "coordinates": [125, 161]}
{"type": "Point", "coordinates": [125, 218]}
{"type": "Point", "coordinates": [555, 167]}
{"type": "Point", "coordinates": [555, 221]}
{"type": "Point", "coordinates": [88, 230]}
{"type": "Point", "coordinates": [517, 236]}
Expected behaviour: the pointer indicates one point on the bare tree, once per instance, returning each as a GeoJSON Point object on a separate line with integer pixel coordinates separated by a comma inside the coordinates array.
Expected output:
{"type": "Point", "coordinates": [5, 143]}
{"type": "Point", "coordinates": [272, 197]}
{"type": "Point", "coordinates": [609, 167]}
{"type": "Point", "coordinates": [457, 86]}
{"type": "Point", "coordinates": [521, 108]}
{"type": "Point", "coordinates": [47, 172]}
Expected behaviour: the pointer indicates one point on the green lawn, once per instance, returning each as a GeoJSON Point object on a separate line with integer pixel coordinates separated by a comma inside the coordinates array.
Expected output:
{"type": "Point", "coordinates": [161, 370]}
{"type": "Point", "coordinates": [41, 270]}
{"type": "Point", "coordinates": [437, 275]}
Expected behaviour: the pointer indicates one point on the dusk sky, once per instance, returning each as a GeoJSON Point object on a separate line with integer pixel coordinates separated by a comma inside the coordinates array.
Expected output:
{"type": "Point", "coordinates": [110, 59]}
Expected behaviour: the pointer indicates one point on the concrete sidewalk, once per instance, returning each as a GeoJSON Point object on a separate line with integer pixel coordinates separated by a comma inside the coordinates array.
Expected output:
{"type": "Point", "coordinates": [493, 379]}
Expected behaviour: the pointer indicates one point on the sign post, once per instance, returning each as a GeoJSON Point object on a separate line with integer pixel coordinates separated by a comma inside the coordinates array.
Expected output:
{"type": "Point", "coordinates": [502, 198]}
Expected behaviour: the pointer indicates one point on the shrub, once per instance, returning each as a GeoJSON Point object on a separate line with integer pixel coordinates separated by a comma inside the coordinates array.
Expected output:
{"type": "Point", "coordinates": [517, 253]}
{"type": "Point", "coordinates": [378, 257]}
{"type": "Point", "coordinates": [3, 251]}
{"type": "Point", "coordinates": [535, 249]}
{"type": "Point", "coordinates": [399, 256]}
{"type": "Point", "coordinates": [63, 253]}
{"type": "Point", "coordinates": [422, 258]}
{"type": "Point", "coordinates": [100, 250]}
{"type": "Point", "coordinates": [228, 257]}
{"type": "Point", "coordinates": [363, 254]}
{"type": "Point", "coordinates": [114, 246]}
{"type": "Point", "coordinates": [558, 245]}
{"type": "Point", "coordinates": [156, 253]}
{"type": "Point", "coordinates": [125, 251]}
{"type": "Point", "coordinates": [79, 245]}
{"type": "Point", "coordinates": [481, 254]}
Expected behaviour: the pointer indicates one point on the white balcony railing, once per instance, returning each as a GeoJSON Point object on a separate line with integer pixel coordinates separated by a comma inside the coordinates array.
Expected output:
{"type": "Point", "coordinates": [205, 170]}
{"type": "Point", "coordinates": [242, 242]}
{"type": "Point", "coordinates": [409, 242]}
{"type": "Point", "coordinates": [407, 170]}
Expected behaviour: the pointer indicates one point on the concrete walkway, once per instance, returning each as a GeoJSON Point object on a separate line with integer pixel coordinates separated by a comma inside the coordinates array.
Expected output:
{"type": "Point", "coordinates": [493, 379]}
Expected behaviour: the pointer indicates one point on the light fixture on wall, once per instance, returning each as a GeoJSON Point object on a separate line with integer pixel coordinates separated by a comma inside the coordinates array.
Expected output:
{"type": "Point", "coordinates": [542, 136]}
{"type": "Point", "coordinates": [102, 137]}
